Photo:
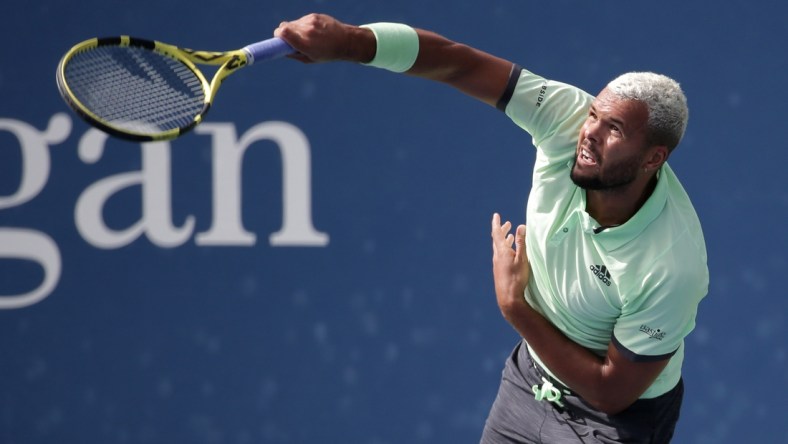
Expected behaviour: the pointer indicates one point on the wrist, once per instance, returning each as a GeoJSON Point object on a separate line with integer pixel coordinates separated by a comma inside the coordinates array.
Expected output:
{"type": "Point", "coordinates": [511, 302]}
{"type": "Point", "coordinates": [361, 45]}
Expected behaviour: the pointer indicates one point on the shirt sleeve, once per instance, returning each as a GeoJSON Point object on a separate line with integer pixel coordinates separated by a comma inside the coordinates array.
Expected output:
{"type": "Point", "coordinates": [654, 323]}
{"type": "Point", "coordinates": [551, 112]}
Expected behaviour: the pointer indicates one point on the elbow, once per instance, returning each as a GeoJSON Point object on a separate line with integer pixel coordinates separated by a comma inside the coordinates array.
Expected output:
{"type": "Point", "coordinates": [610, 399]}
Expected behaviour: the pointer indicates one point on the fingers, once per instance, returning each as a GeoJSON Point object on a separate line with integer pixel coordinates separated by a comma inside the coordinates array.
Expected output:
{"type": "Point", "coordinates": [501, 236]}
{"type": "Point", "coordinates": [519, 243]}
{"type": "Point", "coordinates": [495, 232]}
{"type": "Point", "coordinates": [291, 38]}
{"type": "Point", "coordinates": [500, 233]}
{"type": "Point", "coordinates": [282, 30]}
{"type": "Point", "coordinates": [499, 230]}
{"type": "Point", "coordinates": [295, 34]}
{"type": "Point", "coordinates": [520, 235]}
{"type": "Point", "coordinates": [316, 37]}
{"type": "Point", "coordinates": [496, 222]}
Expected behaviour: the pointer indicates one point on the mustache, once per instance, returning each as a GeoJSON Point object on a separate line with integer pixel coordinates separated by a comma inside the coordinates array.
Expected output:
{"type": "Point", "coordinates": [587, 144]}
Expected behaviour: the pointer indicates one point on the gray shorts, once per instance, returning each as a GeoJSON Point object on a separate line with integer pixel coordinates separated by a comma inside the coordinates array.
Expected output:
{"type": "Point", "coordinates": [517, 417]}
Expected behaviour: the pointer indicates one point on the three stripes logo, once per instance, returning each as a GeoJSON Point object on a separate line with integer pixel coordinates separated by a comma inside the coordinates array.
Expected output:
{"type": "Point", "coordinates": [601, 272]}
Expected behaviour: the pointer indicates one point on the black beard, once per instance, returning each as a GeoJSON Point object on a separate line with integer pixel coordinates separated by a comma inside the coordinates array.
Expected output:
{"type": "Point", "coordinates": [623, 176]}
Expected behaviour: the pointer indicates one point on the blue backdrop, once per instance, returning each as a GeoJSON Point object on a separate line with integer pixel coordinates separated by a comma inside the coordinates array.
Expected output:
{"type": "Point", "coordinates": [313, 264]}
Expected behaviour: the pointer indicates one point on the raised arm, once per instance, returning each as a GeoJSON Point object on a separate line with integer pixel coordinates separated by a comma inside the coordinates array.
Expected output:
{"type": "Point", "coordinates": [321, 38]}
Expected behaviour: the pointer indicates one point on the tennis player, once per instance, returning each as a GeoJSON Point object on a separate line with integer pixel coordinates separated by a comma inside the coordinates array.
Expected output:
{"type": "Point", "coordinates": [604, 283]}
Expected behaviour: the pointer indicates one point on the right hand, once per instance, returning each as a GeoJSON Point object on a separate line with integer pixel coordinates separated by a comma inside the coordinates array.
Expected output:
{"type": "Point", "coordinates": [321, 38]}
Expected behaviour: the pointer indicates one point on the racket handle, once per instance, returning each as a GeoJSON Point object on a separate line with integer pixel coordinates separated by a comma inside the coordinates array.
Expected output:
{"type": "Point", "coordinates": [270, 49]}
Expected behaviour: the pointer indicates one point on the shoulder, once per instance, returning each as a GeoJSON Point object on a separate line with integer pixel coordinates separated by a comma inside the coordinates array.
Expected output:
{"type": "Point", "coordinates": [680, 228]}
{"type": "Point", "coordinates": [668, 257]}
{"type": "Point", "coordinates": [544, 107]}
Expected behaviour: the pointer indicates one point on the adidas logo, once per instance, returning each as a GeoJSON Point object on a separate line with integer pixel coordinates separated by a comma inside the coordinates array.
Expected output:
{"type": "Point", "coordinates": [601, 272]}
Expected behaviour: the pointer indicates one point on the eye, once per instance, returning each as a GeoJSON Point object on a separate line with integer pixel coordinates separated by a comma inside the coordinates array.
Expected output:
{"type": "Point", "coordinates": [615, 129]}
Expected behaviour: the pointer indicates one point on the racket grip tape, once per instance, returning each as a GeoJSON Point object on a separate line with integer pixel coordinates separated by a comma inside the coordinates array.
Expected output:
{"type": "Point", "coordinates": [270, 49]}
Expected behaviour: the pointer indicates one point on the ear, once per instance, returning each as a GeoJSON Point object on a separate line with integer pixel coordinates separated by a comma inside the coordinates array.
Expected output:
{"type": "Point", "coordinates": [657, 155]}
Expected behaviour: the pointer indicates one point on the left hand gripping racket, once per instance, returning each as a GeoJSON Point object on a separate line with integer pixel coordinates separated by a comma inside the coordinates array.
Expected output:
{"type": "Point", "coordinates": [145, 90]}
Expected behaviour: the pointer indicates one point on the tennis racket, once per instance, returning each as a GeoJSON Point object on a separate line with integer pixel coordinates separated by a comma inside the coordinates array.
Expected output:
{"type": "Point", "coordinates": [144, 90]}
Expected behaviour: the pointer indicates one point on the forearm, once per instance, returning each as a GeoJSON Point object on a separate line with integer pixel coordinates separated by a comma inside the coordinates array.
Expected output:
{"type": "Point", "coordinates": [576, 366]}
{"type": "Point", "coordinates": [610, 383]}
{"type": "Point", "coordinates": [473, 72]}
{"type": "Point", "coordinates": [320, 38]}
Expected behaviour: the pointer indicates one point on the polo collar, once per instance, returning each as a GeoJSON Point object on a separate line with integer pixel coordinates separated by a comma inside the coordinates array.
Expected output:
{"type": "Point", "coordinates": [615, 237]}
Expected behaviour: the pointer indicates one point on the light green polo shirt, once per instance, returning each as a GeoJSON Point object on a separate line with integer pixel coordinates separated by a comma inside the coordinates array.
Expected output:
{"type": "Point", "coordinates": [638, 284]}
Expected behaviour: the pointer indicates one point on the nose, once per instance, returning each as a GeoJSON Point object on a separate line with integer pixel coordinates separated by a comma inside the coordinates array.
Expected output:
{"type": "Point", "coordinates": [591, 130]}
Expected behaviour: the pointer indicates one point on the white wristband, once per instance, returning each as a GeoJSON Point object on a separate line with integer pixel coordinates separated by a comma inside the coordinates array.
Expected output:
{"type": "Point", "coordinates": [397, 46]}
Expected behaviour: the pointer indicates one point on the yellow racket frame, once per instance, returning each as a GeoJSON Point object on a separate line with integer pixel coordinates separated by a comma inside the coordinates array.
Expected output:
{"type": "Point", "coordinates": [228, 62]}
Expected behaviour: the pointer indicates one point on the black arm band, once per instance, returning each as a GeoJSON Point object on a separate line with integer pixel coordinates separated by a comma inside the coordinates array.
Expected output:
{"type": "Point", "coordinates": [514, 75]}
{"type": "Point", "coordinates": [634, 357]}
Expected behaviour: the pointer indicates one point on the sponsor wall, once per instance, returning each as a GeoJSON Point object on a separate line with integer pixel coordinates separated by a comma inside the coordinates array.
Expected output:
{"type": "Point", "coordinates": [313, 262]}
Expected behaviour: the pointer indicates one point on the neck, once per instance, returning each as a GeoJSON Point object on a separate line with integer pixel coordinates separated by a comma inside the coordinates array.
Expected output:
{"type": "Point", "coordinates": [614, 207]}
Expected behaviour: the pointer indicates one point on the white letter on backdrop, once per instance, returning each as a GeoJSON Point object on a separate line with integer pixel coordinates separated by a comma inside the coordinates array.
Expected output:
{"type": "Point", "coordinates": [25, 244]}
{"type": "Point", "coordinates": [227, 228]}
{"type": "Point", "coordinates": [155, 180]}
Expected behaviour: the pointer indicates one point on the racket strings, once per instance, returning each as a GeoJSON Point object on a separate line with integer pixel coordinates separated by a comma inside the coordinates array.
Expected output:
{"type": "Point", "coordinates": [135, 89]}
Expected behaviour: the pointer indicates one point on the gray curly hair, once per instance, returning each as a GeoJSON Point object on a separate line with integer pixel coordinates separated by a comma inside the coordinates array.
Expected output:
{"type": "Point", "coordinates": [667, 105]}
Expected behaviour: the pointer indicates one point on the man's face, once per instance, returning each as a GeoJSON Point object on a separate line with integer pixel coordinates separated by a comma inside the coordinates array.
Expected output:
{"type": "Point", "coordinates": [611, 145]}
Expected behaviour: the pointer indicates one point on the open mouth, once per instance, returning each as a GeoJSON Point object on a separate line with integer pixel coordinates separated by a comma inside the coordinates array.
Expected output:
{"type": "Point", "coordinates": [586, 157]}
